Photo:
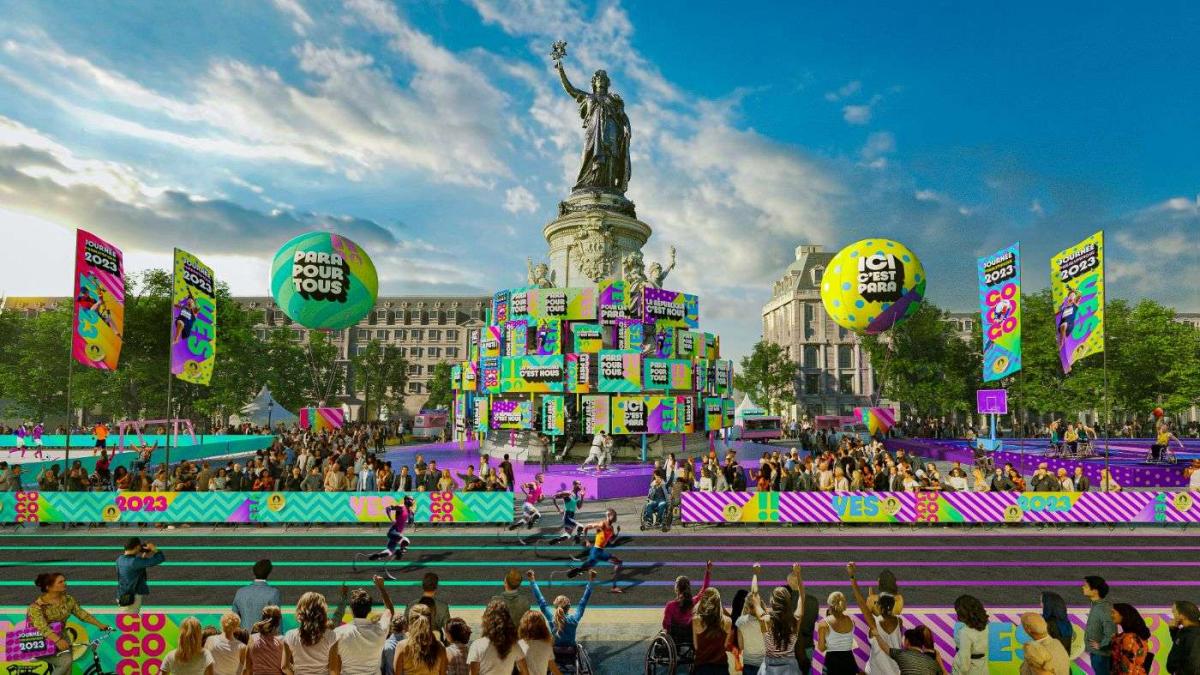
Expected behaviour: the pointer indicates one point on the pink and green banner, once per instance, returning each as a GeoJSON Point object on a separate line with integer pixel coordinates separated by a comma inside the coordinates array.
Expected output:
{"type": "Point", "coordinates": [1077, 284]}
{"type": "Point", "coordinates": [1000, 310]}
{"type": "Point", "coordinates": [98, 323]}
{"type": "Point", "coordinates": [943, 507]}
{"type": "Point", "coordinates": [193, 320]}
{"type": "Point", "coordinates": [876, 420]}
{"type": "Point", "coordinates": [322, 419]}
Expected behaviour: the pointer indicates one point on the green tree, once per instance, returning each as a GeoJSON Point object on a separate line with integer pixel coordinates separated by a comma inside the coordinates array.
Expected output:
{"type": "Point", "coordinates": [327, 375]}
{"type": "Point", "coordinates": [382, 375]}
{"type": "Point", "coordinates": [441, 393]}
{"type": "Point", "coordinates": [768, 376]}
{"type": "Point", "coordinates": [285, 369]}
{"type": "Point", "coordinates": [924, 366]}
{"type": "Point", "coordinates": [33, 362]}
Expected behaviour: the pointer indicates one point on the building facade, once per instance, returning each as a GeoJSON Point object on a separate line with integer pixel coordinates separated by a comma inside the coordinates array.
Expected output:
{"type": "Point", "coordinates": [835, 372]}
{"type": "Point", "coordinates": [426, 329]}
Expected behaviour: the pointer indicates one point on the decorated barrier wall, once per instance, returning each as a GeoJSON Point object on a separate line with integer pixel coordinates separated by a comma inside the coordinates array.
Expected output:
{"type": "Point", "coordinates": [943, 507]}
{"type": "Point", "coordinates": [181, 448]}
{"type": "Point", "coordinates": [250, 507]}
{"type": "Point", "coordinates": [141, 642]}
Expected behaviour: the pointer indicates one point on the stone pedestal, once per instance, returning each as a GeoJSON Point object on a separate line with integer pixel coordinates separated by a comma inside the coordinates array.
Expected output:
{"type": "Point", "coordinates": [593, 231]}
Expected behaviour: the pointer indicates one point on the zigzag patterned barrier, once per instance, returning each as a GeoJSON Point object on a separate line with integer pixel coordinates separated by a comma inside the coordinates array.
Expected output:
{"type": "Point", "coordinates": [941, 507]}
{"type": "Point", "coordinates": [143, 641]}
{"type": "Point", "coordinates": [250, 507]}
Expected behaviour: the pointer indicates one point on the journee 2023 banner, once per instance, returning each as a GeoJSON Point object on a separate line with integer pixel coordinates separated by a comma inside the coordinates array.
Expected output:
{"type": "Point", "coordinates": [193, 320]}
{"type": "Point", "coordinates": [1000, 307]}
{"type": "Point", "coordinates": [1077, 281]}
{"type": "Point", "coordinates": [99, 310]}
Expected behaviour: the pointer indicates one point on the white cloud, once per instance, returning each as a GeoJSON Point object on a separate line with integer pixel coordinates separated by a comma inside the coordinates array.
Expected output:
{"type": "Point", "coordinates": [878, 146]}
{"type": "Point", "coordinates": [350, 116]}
{"type": "Point", "coordinates": [1035, 207]}
{"type": "Point", "coordinates": [928, 196]}
{"type": "Point", "coordinates": [301, 21]}
{"type": "Point", "coordinates": [857, 114]}
{"type": "Point", "coordinates": [519, 200]}
{"type": "Point", "coordinates": [848, 89]}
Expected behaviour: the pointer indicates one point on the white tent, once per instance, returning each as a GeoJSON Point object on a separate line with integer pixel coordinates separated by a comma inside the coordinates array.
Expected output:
{"type": "Point", "coordinates": [746, 406]}
{"type": "Point", "coordinates": [264, 410]}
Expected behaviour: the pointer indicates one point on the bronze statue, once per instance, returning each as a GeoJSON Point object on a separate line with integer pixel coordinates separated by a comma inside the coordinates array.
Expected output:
{"type": "Point", "coordinates": [606, 131]}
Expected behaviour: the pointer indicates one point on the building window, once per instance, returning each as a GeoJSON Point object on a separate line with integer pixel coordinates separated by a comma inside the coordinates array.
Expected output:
{"type": "Point", "coordinates": [452, 336]}
{"type": "Point", "coordinates": [414, 369]}
{"type": "Point", "coordinates": [435, 335]}
{"type": "Point", "coordinates": [846, 383]}
{"type": "Point", "coordinates": [401, 335]}
{"type": "Point", "coordinates": [812, 356]}
{"type": "Point", "coordinates": [812, 383]}
{"type": "Point", "coordinates": [415, 351]}
{"type": "Point", "coordinates": [452, 352]}
{"type": "Point", "coordinates": [435, 352]}
{"type": "Point", "coordinates": [414, 387]}
{"type": "Point", "coordinates": [297, 334]}
{"type": "Point", "coordinates": [403, 351]}
{"type": "Point", "coordinates": [381, 334]}
{"type": "Point", "coordinates": [810, 327]}
{"type": "Point", "coordinates": [845, 356]}
{"type": "Point", "coordinates": [417, 335]}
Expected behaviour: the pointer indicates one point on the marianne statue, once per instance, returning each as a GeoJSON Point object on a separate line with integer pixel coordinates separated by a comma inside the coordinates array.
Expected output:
{"type": "Point", "coordinates": [606, 131]}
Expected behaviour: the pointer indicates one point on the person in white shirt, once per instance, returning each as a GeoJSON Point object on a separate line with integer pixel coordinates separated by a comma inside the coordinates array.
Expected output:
{"type": "Point", "coordinates": [311, 648]}
{"type": "Point", "coordinates": [360, 642]}
{"type": "Point", "coordinates": [228, 653]}
{"type": "Point", "coordinates": [536, 644]}
{"type": "Point", "coordinates": [189, 657]}
{"type": "Point", "coordinates": [497, 652]}
{"type": "Point", "coordinates": [596, 454]}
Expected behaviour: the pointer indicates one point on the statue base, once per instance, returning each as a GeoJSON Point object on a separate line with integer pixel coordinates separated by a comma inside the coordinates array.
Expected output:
{"type": "Point", "coordinates": [593, 231]}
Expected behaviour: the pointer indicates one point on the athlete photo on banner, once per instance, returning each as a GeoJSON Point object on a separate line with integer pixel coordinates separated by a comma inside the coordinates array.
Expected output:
{"type": "Point", "coordinates": [1077, 283]}
{"type": "Point", "coordinates": [193, 320]}
{"type": "Point", "coordinates": [1000, 310]}
{"type": "Point", "coordinates": [98, 324]}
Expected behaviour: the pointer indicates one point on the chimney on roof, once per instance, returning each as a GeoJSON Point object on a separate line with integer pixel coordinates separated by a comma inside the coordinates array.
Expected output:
{"type": "Point", "coordinates": [805, 249]}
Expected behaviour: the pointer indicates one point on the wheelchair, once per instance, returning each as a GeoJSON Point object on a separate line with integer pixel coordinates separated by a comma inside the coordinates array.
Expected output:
{"type": "Point", "coordinates": [651, 521]}
{"type": "Point", "coordinates": [1164, 455]}
{"type": "Point", "coordinates": [669, 650]}
{"type": "Point", "coordinates": [573, 661]}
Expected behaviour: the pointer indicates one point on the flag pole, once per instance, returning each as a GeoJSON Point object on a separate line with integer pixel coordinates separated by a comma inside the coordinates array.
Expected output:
{"type": "Point", "coordinates": [170, 350]}
{"type": "Point", "coordinates": [1104, 340]}
{"type": "Point", "coordinates": [70, 372]}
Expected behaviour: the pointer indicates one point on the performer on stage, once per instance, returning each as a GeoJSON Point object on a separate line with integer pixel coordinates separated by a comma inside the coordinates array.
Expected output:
{"type": "Point", "coordinates": [572, 500]}
{"type": "Point", "coordinates": [1161, 441]}
{"type": "Point", "coordinates": [401, 515]}
{"type": "Point", "coordinates": [533, 497]}
{"type": "Point", "coordinates": [606, 532]}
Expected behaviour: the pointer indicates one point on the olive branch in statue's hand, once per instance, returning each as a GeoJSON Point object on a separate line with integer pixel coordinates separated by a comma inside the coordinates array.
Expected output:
{"type": "Point", "coordinates": [558, 51]}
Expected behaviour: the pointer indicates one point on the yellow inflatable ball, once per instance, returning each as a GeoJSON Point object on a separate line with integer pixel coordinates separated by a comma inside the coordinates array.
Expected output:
{"type": "Point", "coordinates": [873, 285]}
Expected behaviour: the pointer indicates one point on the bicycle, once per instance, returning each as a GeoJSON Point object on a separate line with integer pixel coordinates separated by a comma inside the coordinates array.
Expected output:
{"type": "Point", "coordinates": [43, 667]}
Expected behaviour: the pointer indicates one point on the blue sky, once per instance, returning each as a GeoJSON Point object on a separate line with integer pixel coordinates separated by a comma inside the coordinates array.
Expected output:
{"type": "Point", "coordinates": [435, 134]}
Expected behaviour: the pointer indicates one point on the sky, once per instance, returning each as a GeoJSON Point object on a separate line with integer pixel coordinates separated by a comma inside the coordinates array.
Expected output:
{"type": "Point", "coordinates": [436, 135]}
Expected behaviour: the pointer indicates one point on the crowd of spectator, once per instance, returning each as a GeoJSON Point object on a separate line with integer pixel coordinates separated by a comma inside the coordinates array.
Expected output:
{"type": "Point", "coordinates": [519, 630]}
{"type": "Point", "coordinates": [346, 459]}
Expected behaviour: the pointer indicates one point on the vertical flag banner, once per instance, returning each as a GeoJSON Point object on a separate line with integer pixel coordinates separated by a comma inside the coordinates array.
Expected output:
{"type": "Point", "coordinates": [1000, 307]}
{"type": "Point", "coordinates": [1077, 281]}
{"type": "Point", "coordinates": [193, 320]}
{"type": "Point", "coordinates": [99, 311]}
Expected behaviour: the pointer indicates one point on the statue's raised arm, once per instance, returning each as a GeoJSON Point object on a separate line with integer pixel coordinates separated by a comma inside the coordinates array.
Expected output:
{"type": "Point", "coordinates": [574, 93]}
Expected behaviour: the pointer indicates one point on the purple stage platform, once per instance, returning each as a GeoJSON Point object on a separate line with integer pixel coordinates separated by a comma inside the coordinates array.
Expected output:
{"type": "Point", "coordinates": [620, 481]}
{"type": "Point", "coordinates": [1126, 458]}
